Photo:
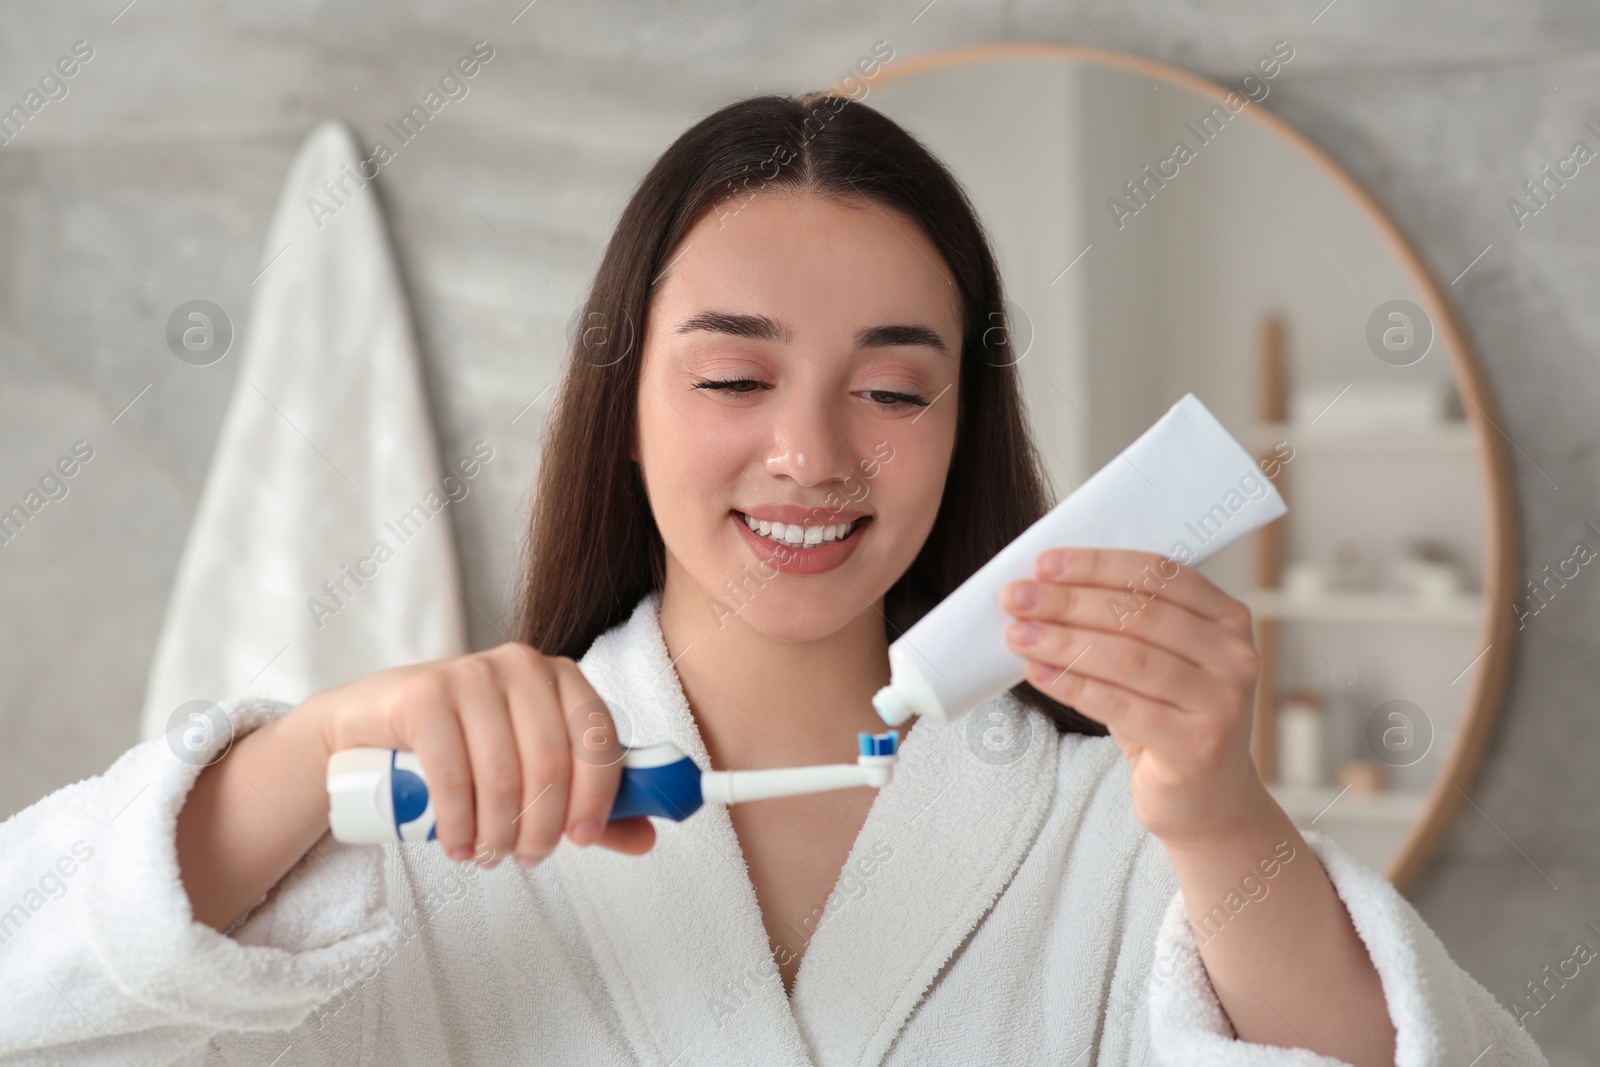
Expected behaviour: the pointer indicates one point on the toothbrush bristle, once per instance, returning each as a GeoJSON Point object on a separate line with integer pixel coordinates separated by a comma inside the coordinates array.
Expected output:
{"type": "Point", "coordinates": [884, 744]}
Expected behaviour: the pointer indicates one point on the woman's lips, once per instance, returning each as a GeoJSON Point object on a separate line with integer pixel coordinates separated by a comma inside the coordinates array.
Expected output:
{"type": "Point", "coordinates": [787, 559]}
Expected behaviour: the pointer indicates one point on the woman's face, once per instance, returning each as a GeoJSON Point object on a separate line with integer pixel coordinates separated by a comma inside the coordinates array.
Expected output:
{"type": "Point", "coordinates": [800, 367]}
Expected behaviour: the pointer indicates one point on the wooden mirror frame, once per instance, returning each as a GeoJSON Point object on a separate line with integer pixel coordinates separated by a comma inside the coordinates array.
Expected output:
{"type": "Point", "coordinates": [1501, 547]}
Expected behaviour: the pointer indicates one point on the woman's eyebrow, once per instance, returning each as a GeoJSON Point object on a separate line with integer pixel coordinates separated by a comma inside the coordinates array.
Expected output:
{"type": "Point", "coordinates": [899, 334]}
{"type": "Point", "coordinates": [759, 327]}
{"type": "Point", "coordinates": [766, 328]}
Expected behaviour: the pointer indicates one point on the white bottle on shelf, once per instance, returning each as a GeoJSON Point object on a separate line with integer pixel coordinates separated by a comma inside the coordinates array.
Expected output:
{"type": "Point", "coordinates": [1301, 729]}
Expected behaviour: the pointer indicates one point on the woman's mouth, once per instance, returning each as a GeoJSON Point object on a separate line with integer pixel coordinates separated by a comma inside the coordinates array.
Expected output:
{"type": "Point", "coordinates": [800, 536]}
{"type": "Point", "coordinates": [789, 548]}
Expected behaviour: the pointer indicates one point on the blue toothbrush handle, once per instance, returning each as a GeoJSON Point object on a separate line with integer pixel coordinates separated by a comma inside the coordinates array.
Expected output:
{"type": "Point", "coordinates": [666, 790]}
{"type": "Point", "coordinates": [378, 795]}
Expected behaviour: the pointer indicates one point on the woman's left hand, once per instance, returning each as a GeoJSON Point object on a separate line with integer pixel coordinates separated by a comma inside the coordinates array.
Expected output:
{"type": "Point", "coordinates": [1168, 663]}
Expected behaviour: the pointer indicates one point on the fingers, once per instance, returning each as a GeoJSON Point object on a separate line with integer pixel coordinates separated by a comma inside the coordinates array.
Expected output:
{"type": "Point", "coordinates": [597, 755]}
{"type": "Point", "coordinates": [1137, 721]}
{"type": "Point", "coordinates": [1121, 660]}
{"type": "Point", "coordinates": [534, 708]}
{"type": "Point", "coordinates": [1185, 743]}
{"type": "Point", "coordinates": [572, 763]}
{"type": "Point", "coordinates": [1149, 695]}
{"type": "Point", "coordinates": [422, 707]}
{"type": "Point", "coordinates": [1201, 642]}
{"type": "Point", "coordinates": [634, 836]}
{"type": "Point", "coordinates": [1161, 622]}
{"type": "Point", "coordinates": [504, 765]}
{"type": "Point", "coordinates": [1141, 577]}
{"type": "Point", "coordinates": [517, 748]}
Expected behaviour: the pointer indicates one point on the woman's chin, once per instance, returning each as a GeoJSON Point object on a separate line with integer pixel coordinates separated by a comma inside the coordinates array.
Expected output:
{"type": "Point", "coordinates": [796, 617]}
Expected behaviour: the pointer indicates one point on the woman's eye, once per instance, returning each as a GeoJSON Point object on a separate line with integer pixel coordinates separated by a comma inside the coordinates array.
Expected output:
{"type": "Point", "coordinates": [885, 398]}
{"type": "Point", "coordinates": [741, 386]}
{"type": "Point", "coordinates": [726, 385]}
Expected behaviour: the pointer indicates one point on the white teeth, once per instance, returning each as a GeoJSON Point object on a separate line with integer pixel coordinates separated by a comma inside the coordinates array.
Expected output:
{"type": "Point", "coordinates": [798, 536]}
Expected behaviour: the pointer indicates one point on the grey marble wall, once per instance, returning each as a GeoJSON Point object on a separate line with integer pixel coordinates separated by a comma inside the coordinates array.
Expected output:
{"type": "Point", "coordinates": [151, 183]}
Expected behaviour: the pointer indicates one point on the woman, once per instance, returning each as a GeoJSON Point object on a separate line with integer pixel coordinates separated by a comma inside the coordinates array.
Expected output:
{"type": "Point", "coordinates": [790, 426]}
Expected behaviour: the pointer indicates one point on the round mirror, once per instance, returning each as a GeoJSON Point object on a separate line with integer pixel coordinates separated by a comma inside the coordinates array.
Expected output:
{"type": "Point", "coordinates": [1159, 234]}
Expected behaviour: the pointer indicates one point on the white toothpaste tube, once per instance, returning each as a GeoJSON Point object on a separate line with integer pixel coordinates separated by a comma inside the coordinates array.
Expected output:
{"type": "Point", "coordinates": [1184, 489]}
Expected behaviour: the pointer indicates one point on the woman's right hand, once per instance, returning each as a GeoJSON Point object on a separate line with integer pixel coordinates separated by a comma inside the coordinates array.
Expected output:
{"type": "Point", "coordinates": [516, 746]}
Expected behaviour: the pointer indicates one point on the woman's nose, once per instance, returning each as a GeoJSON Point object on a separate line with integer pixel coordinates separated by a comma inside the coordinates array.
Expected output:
{"type": "Point", "coordinates": [809, 443]}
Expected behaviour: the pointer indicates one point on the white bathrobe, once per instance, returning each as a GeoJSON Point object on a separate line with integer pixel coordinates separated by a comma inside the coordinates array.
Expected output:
{"type": "Point", "coordinates": [1007, 909]}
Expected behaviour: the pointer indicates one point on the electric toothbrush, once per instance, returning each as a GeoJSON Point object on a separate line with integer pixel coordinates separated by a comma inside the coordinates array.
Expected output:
{"type": "Point", "coordinates": [378, 795]}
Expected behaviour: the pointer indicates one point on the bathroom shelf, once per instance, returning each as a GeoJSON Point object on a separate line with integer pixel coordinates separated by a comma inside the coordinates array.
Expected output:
{"type": "Point", "coordinates": [1304, 803]}
{"type": "Point", "coordinates": [1450, 436]}
{"type": "Point", "coordinates": [1371, 825]}
{"type": "Point", "coordinates": [1382, 606]}
{"type": "Point", "coordinates": [1376, 486]}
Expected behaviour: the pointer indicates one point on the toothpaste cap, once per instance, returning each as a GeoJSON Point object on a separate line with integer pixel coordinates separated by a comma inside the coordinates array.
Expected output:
{"type": "Point", "coordinates": [908, 693]}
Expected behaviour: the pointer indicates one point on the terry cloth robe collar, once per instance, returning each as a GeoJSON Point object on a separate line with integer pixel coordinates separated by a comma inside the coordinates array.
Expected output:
{"type": "Point", "coordinates": [677, 933]}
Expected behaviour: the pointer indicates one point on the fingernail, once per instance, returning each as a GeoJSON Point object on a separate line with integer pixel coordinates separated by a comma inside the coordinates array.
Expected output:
{"type": "Point", "coordinates": [1025, 633]}
{"type": "Point", "coordinates": [1053, 564]}
{"type": "Point", "coordinates": [532, 860]}
{"type": "Point", "coordinates": [460, 853]}
{"type": "Point", "coordinates": [1024, 596]}
{"type": "Point", "coordinates": [585, 832]}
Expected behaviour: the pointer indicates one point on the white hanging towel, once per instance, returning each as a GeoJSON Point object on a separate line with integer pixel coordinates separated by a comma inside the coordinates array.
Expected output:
{"type": "Point", "coordinates": [322, 548]}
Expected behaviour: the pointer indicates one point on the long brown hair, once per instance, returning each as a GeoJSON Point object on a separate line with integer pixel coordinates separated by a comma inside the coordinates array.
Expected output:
{"type": "Point", "coordinates": [594, 549]}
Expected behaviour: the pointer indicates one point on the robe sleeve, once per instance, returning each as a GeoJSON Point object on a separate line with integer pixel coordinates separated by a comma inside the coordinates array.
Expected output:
{"type": "Point", "coordinates": [101, 958]}
{"type": "Point", "coordinates": [1441, 1014]}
